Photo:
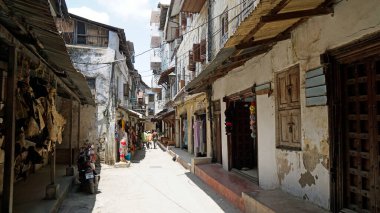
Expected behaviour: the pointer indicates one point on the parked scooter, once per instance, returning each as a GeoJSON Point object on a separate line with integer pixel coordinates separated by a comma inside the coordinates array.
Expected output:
{"type": "Point", "coordinates": [88, 177]}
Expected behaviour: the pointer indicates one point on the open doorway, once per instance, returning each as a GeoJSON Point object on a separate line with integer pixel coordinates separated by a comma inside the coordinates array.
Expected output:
{"type": "Point", "coordinates": [243, 137]}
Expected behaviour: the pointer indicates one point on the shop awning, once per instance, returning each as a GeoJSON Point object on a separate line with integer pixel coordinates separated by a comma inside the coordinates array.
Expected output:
{"type": "Point", "coordinates": [266, 23]}
{"type": "Point", "coordinates": [32, 23]}
{"type": "Point", "coordinates": [166, 115]}
{"type": "Point", "coordinates": [164, 77]}
{"type": "Point", "coordinates": [192, 6]}
{"type": "Point", "coordinates": [130, 112]}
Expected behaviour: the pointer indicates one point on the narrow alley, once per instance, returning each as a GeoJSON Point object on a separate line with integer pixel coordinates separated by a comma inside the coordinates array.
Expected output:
{"type": "Point", "coordinates": [153, 183]}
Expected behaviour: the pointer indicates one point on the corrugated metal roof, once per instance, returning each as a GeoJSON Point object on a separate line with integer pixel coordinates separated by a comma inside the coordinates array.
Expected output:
{"type": "Point", "coordinates": [32, 23]}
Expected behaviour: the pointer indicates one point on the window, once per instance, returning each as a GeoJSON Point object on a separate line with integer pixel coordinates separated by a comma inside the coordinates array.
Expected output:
{"type": "Point", "coordinates": [224, 27]}
{"type": "Point", "coordinates": [92, 85]}
{"type": "Point", "coordinates": [91, 34]}
{"type": "Point", "coordinates": [159, 96]}
{"type": "Point", "coordinates": [151, 97]}
{"type": "Point", "coordinates": [126, 90]}
{"type": "Point", "coordinates": [81, 32]}
{"type": "Point", "coordinates": [288, 109]}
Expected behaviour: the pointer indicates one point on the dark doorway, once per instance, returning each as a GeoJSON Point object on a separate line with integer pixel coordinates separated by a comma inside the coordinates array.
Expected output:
{"type": "Point", "coordinates": [243, 144]}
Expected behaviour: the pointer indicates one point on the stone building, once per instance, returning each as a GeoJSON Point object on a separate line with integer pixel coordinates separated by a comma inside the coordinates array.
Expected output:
{"type": "Point", "coordinates": [290, 94]}
{"type": "Point", "coordinates": [102, 53]}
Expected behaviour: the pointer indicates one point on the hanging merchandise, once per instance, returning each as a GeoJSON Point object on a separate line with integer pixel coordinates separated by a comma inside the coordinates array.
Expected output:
{"type": "Point", "coordinates": [55, 121]}
{"type": "Point", "coordinates": [252, 118]}
{"type": "Point", "coordinates": [228, 121]}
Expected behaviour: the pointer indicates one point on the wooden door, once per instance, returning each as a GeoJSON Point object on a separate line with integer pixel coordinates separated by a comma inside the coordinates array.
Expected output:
{"type": "Point", "coordinates": [361, 135]}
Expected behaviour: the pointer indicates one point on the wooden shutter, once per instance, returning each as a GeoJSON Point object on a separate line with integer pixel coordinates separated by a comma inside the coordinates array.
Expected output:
{"type": "Point", "coordinates": [282, 90]}
{"type": "Point", "coordinates": [196, 52]}
{"type": "Point", "coordinates": [283, 121]}
{"type": "Point", "coordinates": [294, 86]}
{"type": "Point", "coordinates": [203, 50]}
{"type": "Point", "coordinates": [295, 121]}
{"type": "Point", "coordinates": [288, 108]}
{"type": "Point", "coordinates": [288, 88]}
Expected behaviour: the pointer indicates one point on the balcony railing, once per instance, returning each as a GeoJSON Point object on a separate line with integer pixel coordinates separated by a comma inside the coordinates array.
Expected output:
{"type": "Point", "coordinates": [243, 11]}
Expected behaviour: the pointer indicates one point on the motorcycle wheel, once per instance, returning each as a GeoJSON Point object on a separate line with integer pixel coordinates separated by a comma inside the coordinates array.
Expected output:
{"type": "Point", "coordinates": [92, 185]}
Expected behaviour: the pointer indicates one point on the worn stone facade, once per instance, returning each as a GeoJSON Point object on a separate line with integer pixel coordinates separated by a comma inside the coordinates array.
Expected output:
{"type": "Point", "coordinates": [303, 173]}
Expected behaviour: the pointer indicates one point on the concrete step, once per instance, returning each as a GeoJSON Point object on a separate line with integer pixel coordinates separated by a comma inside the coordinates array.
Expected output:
{"type": "Point", "coordinates": [29, 195]}
{"type": "Point", "coordinates": [271, 201]}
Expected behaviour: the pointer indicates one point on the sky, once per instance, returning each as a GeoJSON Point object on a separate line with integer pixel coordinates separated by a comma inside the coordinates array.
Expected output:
{"type": "Point", "coordinates": [131, 15]}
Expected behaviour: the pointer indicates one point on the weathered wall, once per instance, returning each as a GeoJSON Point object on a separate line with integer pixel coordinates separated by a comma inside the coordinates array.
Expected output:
{"type": "Point", "coordinates": [302, 173]}
{"type": "Point", "coordinates": [103, 133]}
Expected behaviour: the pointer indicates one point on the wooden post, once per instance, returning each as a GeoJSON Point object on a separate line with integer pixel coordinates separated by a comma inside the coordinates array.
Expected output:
{"type": "Point", "coordinates": [10, 134]}
{"type": "Point", "coordinates": [70, 169]}
{"type": "Point", "coordinates": [78, 136]}
{"type": "Point", "coordinates": [71, 133]}
{"type": "Point", "coordinates": [52, 164]}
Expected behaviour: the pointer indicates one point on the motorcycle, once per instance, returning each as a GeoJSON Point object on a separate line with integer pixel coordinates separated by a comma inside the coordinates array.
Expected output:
{"type": "Point", "coordinates": [88, 177]}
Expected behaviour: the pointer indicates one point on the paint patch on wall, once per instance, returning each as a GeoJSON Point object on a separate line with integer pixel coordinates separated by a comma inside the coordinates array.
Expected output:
{"type": "Point", "coordinates": [284, 167]}
{"type": "Point", "coordinates": [306, 179]}
{"type": "Point", "coordinates": [311, 156]}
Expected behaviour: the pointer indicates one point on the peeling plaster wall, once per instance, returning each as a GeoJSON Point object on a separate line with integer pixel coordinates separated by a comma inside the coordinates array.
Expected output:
{"type": "Point", "coordinates": [302, 173]}
{"type": "Point", "coordinates": [103, 133]}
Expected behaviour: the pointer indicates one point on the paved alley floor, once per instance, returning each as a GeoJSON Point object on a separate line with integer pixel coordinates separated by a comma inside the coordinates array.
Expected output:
{"type": "Point", "coordinates": [153, 183]}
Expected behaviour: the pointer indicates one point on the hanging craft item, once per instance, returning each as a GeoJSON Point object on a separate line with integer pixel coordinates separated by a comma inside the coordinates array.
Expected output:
{"type": "Point", "coordinates": [252, 118]}
{"type": "Point", "coordinates": [228, 121]}
{"type": "Point", "coordinates": [56, 121]}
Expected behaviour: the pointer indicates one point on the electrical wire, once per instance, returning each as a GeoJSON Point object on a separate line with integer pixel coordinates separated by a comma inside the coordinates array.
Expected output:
{"type": "Point", "coordinates": [195, 28]}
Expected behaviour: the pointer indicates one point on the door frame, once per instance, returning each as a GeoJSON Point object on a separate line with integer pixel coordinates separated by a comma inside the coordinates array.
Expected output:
{"type": "Point", "coordinates": [229, 100]}
{"type": "Point", "coordinates": [362, 48]}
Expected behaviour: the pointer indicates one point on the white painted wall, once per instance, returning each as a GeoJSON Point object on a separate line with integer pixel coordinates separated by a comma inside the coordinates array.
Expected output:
{"type": "Point", "coordinates": [282, 168]}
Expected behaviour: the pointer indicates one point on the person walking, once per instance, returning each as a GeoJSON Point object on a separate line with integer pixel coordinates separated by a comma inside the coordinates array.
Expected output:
{"type": "Point", "coordinates": [155, 138]}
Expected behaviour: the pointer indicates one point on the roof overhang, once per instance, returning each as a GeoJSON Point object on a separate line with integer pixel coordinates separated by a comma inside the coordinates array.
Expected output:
{"type": "Point", "coordinates": [192, 6]}
{"type": "Point", "coordinates": [268, 22]}
{"type": "Point", "coordinates": [130, 112]}
{"type": "Point", "coordinates": [166, 115]}
{"type": "Point", "coordinates": [44, 41]}
{"type": "Point", "coordinates": [164, 77]}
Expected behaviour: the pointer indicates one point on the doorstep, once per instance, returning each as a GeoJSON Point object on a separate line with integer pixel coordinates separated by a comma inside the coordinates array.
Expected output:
{"type": "Point", "coordinates": [248, 196]}
{"type": "Point", "coordinates": [277, 201]}
{"type": "Point", "coordinates": [29, 195]}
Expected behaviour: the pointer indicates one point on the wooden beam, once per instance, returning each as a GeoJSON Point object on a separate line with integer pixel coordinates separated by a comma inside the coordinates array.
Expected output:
{"type": "Point", "coordinates": [296, 14]}
{"type": "Point", "coordinates": [275, 10]}
{"type": "Point", "coordinates": [10, 134]}
{"type": "Point", "coordinates": [253, 43]}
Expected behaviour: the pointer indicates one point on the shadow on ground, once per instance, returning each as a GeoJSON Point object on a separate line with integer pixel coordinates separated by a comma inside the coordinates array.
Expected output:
{"type": "Point", "coordinates": [222, 202]}
{"type": "Point", "coordinates": [79, 199]}
{"type": "Point", "coordinates": [139, 156]}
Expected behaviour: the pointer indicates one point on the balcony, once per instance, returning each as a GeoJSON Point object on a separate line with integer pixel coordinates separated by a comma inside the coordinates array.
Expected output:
{"type": "Point", "coordinates": [155, 62]}
{"type": "Point", "coordinates": [155, 41]}
{"type": "Point", "coordinates": [155, 17]}
{"type": "Point", "coordinates": [192, 6]}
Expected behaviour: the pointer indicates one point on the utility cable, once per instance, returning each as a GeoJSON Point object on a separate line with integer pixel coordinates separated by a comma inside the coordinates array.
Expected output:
{"type": "Point", "coordinates": [195, 28]}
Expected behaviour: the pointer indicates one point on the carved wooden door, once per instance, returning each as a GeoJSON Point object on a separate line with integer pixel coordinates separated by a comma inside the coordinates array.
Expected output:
{"type": "Point", "coordinates": [361, 132]}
